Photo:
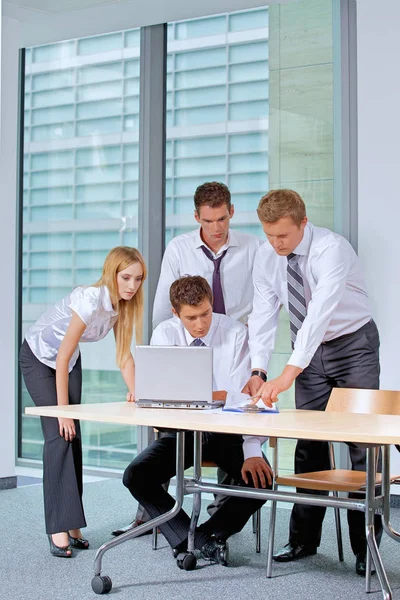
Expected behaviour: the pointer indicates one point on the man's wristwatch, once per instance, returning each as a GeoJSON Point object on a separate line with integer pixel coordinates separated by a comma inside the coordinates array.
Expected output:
{"type": "Point", "coordinates": [259, 374]}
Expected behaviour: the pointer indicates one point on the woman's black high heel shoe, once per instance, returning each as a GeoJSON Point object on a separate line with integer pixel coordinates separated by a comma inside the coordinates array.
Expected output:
{"type": "Point", "coordinates": [79, 543]}
{"type": "Point", "coordinates": [60, 551]}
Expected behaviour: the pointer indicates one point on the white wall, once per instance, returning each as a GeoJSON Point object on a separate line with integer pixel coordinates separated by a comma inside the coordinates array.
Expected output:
{"type": "Point", "coordinates": [8, 153]}
{"type": "Point", "coordinates": [378, 151]}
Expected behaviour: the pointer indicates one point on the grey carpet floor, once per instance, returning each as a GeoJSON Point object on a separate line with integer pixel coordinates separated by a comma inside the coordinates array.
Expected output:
{"type": "Point", "coordinates": [28, 571]}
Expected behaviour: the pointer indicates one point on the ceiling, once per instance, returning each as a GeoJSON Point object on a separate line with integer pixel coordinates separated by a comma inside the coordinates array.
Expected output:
{"type": "Point", "coordinates": [58, 6]}
{"type": "Point", "coordinates": [41, 22]}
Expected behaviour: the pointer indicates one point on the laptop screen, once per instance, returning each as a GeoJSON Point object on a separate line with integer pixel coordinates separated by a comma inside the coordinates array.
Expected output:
{"type": "Point", "coordinates": [173, 373]}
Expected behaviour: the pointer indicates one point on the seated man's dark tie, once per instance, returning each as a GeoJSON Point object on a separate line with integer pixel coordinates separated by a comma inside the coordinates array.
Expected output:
{"type": "Point", "coordinates": [197, 342]}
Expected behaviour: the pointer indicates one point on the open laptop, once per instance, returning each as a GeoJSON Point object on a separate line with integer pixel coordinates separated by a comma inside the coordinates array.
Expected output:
{"type": "Point", "coordinates": [174, 377]}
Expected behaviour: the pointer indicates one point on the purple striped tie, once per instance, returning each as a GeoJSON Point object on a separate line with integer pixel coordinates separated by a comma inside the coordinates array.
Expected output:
{"type": "Point", "coordinates": [218, 303]}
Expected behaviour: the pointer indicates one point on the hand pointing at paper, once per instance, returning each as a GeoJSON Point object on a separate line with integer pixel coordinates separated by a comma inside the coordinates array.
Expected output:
{"type": "Point", "coordinates": [270, 390]}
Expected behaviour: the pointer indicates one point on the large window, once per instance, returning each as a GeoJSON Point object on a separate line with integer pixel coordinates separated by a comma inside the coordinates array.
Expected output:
{"type": "Point", "coordinates": [80, 200]}
{"type": "Point", "coordinates": [217, 114]}
{"type": "Point", "coordinates": [250, 101]}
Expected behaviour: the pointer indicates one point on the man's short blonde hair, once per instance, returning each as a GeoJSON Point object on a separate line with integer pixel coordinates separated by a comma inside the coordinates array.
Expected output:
{"type": "Point", "coordinates": [278, 204]}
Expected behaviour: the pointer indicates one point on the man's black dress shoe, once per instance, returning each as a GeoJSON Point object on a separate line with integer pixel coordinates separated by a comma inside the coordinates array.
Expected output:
{"type": "Point", "coordinates": [129, 527]}
{"type": "Point", "coordinates": [289, 552]}
{"type": "Point", "coordinates": [216, 552]}
{"type": "Point", "coordinates": [361, 565]}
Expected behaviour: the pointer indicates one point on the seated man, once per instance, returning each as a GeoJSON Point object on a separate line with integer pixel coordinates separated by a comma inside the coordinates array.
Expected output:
{"type": "Point", "coordinates": [194, 324]}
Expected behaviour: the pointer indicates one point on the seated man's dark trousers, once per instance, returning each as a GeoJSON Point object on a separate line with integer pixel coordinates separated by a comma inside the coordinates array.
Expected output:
{"type": "Point", "coordinates": [156, 464]}
{"type": "Point", "coordinates": [351, 361]}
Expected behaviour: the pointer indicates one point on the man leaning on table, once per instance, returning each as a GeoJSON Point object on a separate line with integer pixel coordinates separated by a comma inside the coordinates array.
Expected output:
{"type": "Point", "coordinates": [194, 324]}
{"type": "Point", "coordinates": [315, 274]}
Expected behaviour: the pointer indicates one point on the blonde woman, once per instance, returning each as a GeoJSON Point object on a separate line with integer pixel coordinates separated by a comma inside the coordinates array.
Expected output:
{"type": "Point", "coordinates": [51, 366]}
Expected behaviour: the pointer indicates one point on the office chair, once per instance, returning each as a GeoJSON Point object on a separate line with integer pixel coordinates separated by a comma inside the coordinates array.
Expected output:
{"type": "Point", "coordinates": [345, 400]}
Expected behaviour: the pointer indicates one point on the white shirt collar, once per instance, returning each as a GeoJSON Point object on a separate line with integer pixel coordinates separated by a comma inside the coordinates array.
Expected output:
{"type": "Point", "coordinates": [231, 241]}
{"type": "Point", "coordinates": [106, 300]}
{"type": "Point", "coordinates": [304, 247]}
{"type": "Point", "coordinates": [206, 339]}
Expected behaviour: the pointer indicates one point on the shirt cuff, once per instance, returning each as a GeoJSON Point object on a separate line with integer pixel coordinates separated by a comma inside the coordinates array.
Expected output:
{"type": "Point", "coordinates": [252, 446]}
{"type": "Point", "coordinates": [299, 359]}
{"type": "Point", "coordinates": [259, 362]}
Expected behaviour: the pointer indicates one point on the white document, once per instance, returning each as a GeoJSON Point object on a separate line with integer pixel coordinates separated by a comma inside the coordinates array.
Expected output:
{"type": "Point", "coordinates": [238, 402]}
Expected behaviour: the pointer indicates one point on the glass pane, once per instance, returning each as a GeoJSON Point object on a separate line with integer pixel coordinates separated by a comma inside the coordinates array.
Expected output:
{"type": "Point", "coordinates": [202, 96]}
{"type": "Point", "coordinates": [200, 59]}
{"type": "Point", "coordinates": [200, 28]}
{"type": "Point", "coordinates": [48, 98]}
{"type": "Point", "coordinates": [132, 38]}
{"type": "Point", "coordinates": [204, 78]}
{"type": "Point", "coordinates": [100, 43]}
{"type": "Point", "coordinates": [247, 20]}
{"type": "Point", "coordinates": [76, 173]}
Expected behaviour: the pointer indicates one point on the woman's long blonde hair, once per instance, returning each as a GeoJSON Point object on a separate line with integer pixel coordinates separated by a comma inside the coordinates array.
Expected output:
{"type": "Point", "coordinates": [130, 312]}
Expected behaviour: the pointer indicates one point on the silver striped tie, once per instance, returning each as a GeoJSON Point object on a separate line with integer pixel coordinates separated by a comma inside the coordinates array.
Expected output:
{"type": "Point", "coordinates": [197, 342]}
{"type": "Point", "coordinates": [296, 297]}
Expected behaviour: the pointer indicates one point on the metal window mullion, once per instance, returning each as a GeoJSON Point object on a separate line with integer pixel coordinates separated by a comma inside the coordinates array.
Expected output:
{"type": "Point", "coordinates": [345, 138]}
{"type": "Point", "coordinates": [152, 144]}
{"type": "Point", "coordinates": [345, 119]}
{"type": "Point", "coordinates": [19, 249]}
{"type": "Point", "coordinates": [152, 140]}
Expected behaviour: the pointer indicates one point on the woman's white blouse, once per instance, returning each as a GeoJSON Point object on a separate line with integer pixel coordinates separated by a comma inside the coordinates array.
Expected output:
{"type": "Point", "coordinates": [91, 304]}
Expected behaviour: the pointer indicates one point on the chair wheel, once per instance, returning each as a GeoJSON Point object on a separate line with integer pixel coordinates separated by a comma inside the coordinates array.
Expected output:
{"type": "Point", "coordinates": [101, 584]}
{"type": "Point", "coordinates": [186, 561]}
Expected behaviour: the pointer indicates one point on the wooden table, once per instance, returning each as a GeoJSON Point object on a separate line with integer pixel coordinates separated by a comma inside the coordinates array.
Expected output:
{"type": "Point", "coordinates": [376, 430]}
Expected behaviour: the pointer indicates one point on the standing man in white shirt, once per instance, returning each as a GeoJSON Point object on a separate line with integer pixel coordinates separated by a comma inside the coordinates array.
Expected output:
{"type": "Point", "coordinates": [315, 274]}
{"type": "Point", "coordinates": [195, 324]}
{"type": "Point", "coordinates": [224, 258]}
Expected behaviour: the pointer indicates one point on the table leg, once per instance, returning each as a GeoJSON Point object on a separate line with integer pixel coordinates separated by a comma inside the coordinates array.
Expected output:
{"type": "Point", "coordinates": [197, 495]}
{"type": "Point", "coordinates": [372, 546]}
{"type": "Point", "coordinates": [102, 584]}
{"type": "Point", "coordinates": [395, 535]}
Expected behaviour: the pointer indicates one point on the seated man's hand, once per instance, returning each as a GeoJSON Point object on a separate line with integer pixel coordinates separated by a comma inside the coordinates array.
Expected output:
{"type": "Point", "coordinates": [219, 395]}
{"type": "Point", "coordinates": [130, 397]}
{"type": "Point", "coordinates": [260, 471]}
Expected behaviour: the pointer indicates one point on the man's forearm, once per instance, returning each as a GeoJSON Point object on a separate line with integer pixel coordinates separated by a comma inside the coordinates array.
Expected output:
{"type": "Point", "coordinates": [290, 372]}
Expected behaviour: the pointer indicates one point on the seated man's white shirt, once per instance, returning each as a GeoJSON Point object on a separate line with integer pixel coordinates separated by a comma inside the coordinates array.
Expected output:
{"type": "Point", "coordinates": [184, 256]}
{"type": "Point", "coordinates": [231, 358]}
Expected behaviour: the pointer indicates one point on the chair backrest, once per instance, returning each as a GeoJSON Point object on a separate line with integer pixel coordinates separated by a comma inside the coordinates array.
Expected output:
{"type": "Point", "coordinates": [351, 400]}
